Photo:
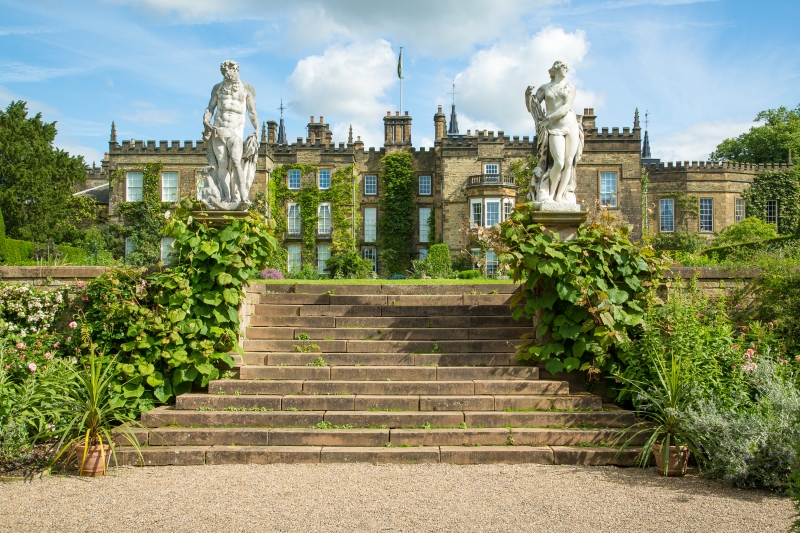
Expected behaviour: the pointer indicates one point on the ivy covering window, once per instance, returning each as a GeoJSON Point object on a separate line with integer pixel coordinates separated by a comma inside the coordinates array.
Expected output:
{"type": "Point", "coordinates": [324, 219]}
{"type": "Point", "coordinates": [294, 179]}
{"type": "Point", "coordinates": [772, 212]}
{"type": "Point", "coordinates": [424, 213]}
{"type": "Point", "coordinates": [608, 189]}
{"type": "Point", "coordinates": [492, 212]}
{"type": "Point", "coordinates": [666, 215]}
{"type": "Point", "coordinates": [370, 224]}
{"type": "Point", "coordinates": [372, 255]}
{"type": "Point", "coordinates": [706, 215]}
{"type": "Point", "coordinates": [476, 212]}
{"type": "Point", "coordinates": [294, 257]}
{"type": "Point", "coordinates": [323, 254]}
{"type": "Point", "coordinates": [508, 207]}
{"type": "Point", "coordinates": [167, 252]}
{"type": "Point", "coordinates": [324, 179]}
{"type": "Point", "coordinates": [370, 185]}
{"type": "Point", "coordinates": [169, 186]}
{"type": "Point", "coordinates": [425, 185]}
{"type": "Point", "coordinates": [133, 188]}
{"type": "Point", "coordinates": [293, 226]}
{"type": "Point", "coordinates": [491, 264]}
{"type": "Point", "coordinates": [739, 210]}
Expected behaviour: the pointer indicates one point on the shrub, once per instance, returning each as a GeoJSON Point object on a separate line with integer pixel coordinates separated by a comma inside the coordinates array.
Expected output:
{"type": "Point", "coordinates": [94, 244]}
{"type": "Point", "coordinates": [679, 240]}
{"type": "Point", "coordinates": [24, 252]}
{"type": "Point", "coordinates": [469, 274]}
{"type": "Point", "coordinates": [271, 273]}
{"type": "Point", "coordinates": [751, 229]}
{"type": "Point", "coordinates": [2, 238]}
{"type": "Point", "coordinates": [349, 265]}
{"type": "Point", "coordinates": [438, 261]}
{"type": "Point", "coordinates": [307, 271]}
{"type": "Point", "coordinates": [26, 311]}
{"type": "Point", "coordinates": [461, 262]}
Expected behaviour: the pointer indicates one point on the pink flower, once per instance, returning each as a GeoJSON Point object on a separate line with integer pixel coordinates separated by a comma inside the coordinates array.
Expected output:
{"type": "Point", "coordinates": [73, 325]}
{"type": "Point", "coordinates": [782, 361]}
{"type": "Point", "coordinates": [144, 283]}
{"type": "Point", "coordinates": [20, 345]}
{"type": "Point", "coordinates": [81, 284]}
{"type": "Point", "coordinates": [22, 357]}
{"type": "Point", "coordinates": [749, 367]}
{"type": "Point", "coordinates": [7, 367]}
{"type": "Point", "coordinates": [85, 298]}
{"type": "Point", "coordinates": [69, 339]}
{"type": "Point", "coordinates": [797, 358]}
{"type": "Point", "coordinates": [32, 367]}
{"type": "Point", "coordinates": [57, 345]}
{"type": "Point", "coordinates": [699, 315]}
{"type": "Point", "coordinates": [48, 355]}
{"type": "Point", "coordinates": [749, 353]}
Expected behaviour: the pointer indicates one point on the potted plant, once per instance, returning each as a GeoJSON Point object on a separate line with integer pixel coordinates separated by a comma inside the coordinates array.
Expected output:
{"type": "Point", "coordinates": [92, 413]}
{"type": "Point", "coordinates": [662, 406]}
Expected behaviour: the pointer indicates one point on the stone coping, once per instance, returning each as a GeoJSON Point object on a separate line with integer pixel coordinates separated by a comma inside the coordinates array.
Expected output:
{"type": "Point", "coordinates": [711, 272]}
{"type": "Point", "coordinates": [8, 273]}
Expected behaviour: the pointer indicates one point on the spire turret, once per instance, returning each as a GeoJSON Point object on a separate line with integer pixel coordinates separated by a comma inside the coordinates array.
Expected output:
{"type": "Point", "coordinates": [350, 136]}
{"type": "Point", "coordinates": [453, 129]}
{"type": "Point", "coordinates": [281, 128]}
{"type": "Point", "coordinates": [113, 133]}
{"type": "Point", "coordinates": [647, 158]}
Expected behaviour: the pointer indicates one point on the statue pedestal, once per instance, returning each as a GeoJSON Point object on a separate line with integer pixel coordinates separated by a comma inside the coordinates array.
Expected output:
{"type": "Point", "coordinates": [219, 218]}
{"type": "Point", "coordinates": [564, 223]}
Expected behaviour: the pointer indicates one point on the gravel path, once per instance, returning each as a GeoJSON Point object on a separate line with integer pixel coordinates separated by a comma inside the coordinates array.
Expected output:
{"type": "Point", "coordinates": [390, 498]}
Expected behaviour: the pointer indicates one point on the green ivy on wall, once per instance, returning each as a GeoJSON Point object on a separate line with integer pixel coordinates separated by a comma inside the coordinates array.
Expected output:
{"type": "Point", "coordinates": [396, 224]}
{"type": "Point", "coordinates": [781, 186]}
{"type": "Point", "coordinates": [144, 220]}
{"type": "Point", "coordinates": [344, 210]}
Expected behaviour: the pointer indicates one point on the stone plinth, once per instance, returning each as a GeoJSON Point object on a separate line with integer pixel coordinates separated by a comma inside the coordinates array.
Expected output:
{"type": "Point", "coordinates": [218, 218]}
{"type": "Point", "coordinates": [565, 224]}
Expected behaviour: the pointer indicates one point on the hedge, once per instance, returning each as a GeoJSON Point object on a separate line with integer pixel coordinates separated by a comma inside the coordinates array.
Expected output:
{"type": "Point", "coordinates": [18, 253]}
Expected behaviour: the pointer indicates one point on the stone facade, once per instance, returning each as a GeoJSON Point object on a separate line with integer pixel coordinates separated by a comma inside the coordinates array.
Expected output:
{"type": "Point", "coordinates": [464, 169]}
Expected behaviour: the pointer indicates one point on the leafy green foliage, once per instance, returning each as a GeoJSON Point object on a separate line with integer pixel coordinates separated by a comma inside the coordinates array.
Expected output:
{"type": "Point", "coordinates": [781, 186]}
{"type": "Point", "coordinates": [349, 265]}
{"type": "Point", "coordinates": [522, 172]}
{"type": "Point", "coordinates": [175, 327]}
{"type": "Point", "coordinates": [24, 252]}
{"type": "Point", "coordinates": [2, 237]}
{"type": "Point", "coordinates": [396, 223]}
{"type": "Point", "coordinates": [144, 220]}
{"type": "Point", "coordinates": [438, 261]}
{"type": "Point", "coordinates": [769, 142]}
{"type": "Point", "coordinates": [37, 180]}
{"type": "Point", "coordinates": [587, 294]}
{"type": "Point", "coordinates": [469, 274]}
{"type": "Point", "coordinates": [679, 240]}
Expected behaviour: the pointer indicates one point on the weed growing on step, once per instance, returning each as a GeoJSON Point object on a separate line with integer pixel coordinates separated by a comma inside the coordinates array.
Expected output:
{"type": "Point", "coordinates": [205, 409]}
{"type": "Point", "coordinates": [247, 409]}
{"type": "Point", "coordinates": [388, 445]}
{"type": "Point", "coordinates": [463, 425]}
{"type": "Point", "coordinates": [426, 425]}
{"type": "Point", "coordinates": [227, 375]}
{"type": "Point", "coordinates": [292, 409]}
{"type": "Point", "coordinates": [357, 364]}
{"type": "Point", "coordinates": [601, 444]}
{"type": "Point", "coordinates": [319, 361]}
{"type": "Point", "coordinates": [305, 346]}
{"type": "Point", "coordinates": [327, 425]}
{"type": "Point", "coordinates": [281, 364]}
{"type": "Point", "coordinates": [510, 440]}
{"type": "Point", "coordinates": [237, 393]}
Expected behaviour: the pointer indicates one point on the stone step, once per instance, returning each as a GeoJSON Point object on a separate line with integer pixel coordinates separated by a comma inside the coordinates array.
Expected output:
{"type": "Point", "coordinates": [392, 419]}
{"type": "Point", "coordinates": [214, 455]}
{"type": "Point", "coordinates": [353, 402]}
{"type": "Point", "coordinates": [333, 288]}
{"type": "Point", "coordinates": [381, 359]}
{"type": "Point", "coordinates": [387, 321]}
{"type": "Point", "coordinates": [492, 419]}
{"type": "Point", "coordinates": [168, 416]}
{"type": "Point", "coordinates": [361, 346]}
{"type": "Point", "coordinates": [389, 373]}
{"type": "Point", "coordinates": [289, 333]}
{"type": "Point", "coordinates": [408, 310]}
{"type": "Point", "coordinates": [384, 300]}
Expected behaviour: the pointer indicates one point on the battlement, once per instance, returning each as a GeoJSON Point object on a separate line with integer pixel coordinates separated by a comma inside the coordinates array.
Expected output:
{"type": "Point", "coordinates": [484, 136]}
{"type": "Point", "coordinates": [138, 147]}
{"type": "Point", "coordinates": [603, 133]}
{"type": "Point", "coordinates": [714, 166]}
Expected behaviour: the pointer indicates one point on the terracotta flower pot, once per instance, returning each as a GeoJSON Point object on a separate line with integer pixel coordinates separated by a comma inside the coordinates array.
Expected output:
{"type": "Point", "coordinates": [675, 467]}
{"type": "Point", "coordinates": [94, 465]}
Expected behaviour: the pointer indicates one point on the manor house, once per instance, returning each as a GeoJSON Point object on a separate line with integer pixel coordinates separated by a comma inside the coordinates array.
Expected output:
{"type": "Point", "coordinates": [463, 179]}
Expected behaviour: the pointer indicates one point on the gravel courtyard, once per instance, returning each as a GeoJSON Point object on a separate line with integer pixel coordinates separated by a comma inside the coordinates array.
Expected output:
{"type": "Point", "coordinates": [391, 498]}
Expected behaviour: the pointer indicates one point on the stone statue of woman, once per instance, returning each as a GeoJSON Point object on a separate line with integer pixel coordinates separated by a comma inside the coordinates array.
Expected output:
{"type": "Point", "coordinates": [559, 142]}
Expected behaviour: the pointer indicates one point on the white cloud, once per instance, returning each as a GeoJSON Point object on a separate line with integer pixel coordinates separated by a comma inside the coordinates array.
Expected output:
{"type": "Point", "coordinates": [34, 106]}
{"type": "Point", "coordinates": [148, 113]}
{"type": "Point", "coordinates": [697, 141]}
{"type": "Point", "coordinates": [492, 87]}
{"type": "Point", "coordinates": [16, 72]}
{"type": "Point", "coordinates": [74, 147]}
{"type": "Point", "coordinates": [345, 81]}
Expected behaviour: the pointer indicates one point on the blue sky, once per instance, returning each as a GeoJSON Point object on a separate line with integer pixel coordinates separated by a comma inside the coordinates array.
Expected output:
{"type": "Point", "coordinates": [702, 69]}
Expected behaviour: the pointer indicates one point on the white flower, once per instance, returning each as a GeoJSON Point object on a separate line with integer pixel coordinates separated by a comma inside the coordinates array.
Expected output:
{"type": "Point", "coordinates": [166, 215]}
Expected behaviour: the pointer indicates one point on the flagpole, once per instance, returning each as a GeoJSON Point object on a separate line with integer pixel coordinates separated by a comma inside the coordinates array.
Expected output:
{"type": "Point", "coordinates": [400, 73]}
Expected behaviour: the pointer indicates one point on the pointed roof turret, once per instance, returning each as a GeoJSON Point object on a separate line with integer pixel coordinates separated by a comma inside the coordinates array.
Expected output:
{"type": "Point", "coordinates": [647, 158]}
{"type": "Point", "coordinates": [350, 136]}
{"type": "Point", "coordinates": [113, 133]}
{"type": "Point", "coordinates": [281, 128]}
{"type": "Point", "coordinates": [453, 129]}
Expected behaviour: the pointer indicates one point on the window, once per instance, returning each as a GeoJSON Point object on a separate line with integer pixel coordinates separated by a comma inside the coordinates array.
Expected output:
{"type": "Point", "coordinates": [706, 215]}
{"type": "Point", "coordinates": [370, 224]}
{"type": "Point", "coordinates": [129, 247]}
{"type": "Point", "coordinates": [492, 212]}
{"type": "Point", "coordinates": [476, 212]}
{"type": "Point", "coordinates": [425, 185]}
{"type": "Point", "coordinates": [370, 185]}
{"type": "Point", "coordinates": [133, 192]}
{"type": "Point", "coordinates": [772, 212]}
{"type": "Point", "coordinates": [293, 227]}
{"type": "Point", "coordinates": [324, 178]}
{"type": "Point", "coordinates": [372, 255]}
{"type": "Point", "coordinates": [476, 255]}
{"type": "Point", "coordinates": [491, 264]}
{"type": "Point", "coordinates": [424, 213]}
{"type": "Point", "coordinates": [423, 253]}
{"type": "Point", "coordinates": [167, 252]}
{"type": "Point", "coordinates": [508, 207]}
{"type": "Point", "coordinates": [294, 178]}
{"type": "Point", "coordinates": [323, 254]}
{"type": "Point", "coordinates": [608, 189]}
{"type": "Point", "coordinates": [294, 257]}
{"type": "Point", "coordinates": [169, 186]}
{"type": "Point", "coordinates": [324, 219]}
{"type": "Point", "coordinates": [491, 169]}
{"type": "Point", "coordinates": [666, 215]}
{"type": "Point", "coordinates": [739, 211]}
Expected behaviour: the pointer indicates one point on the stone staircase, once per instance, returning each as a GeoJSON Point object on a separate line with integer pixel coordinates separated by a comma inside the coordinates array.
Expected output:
{"type": "Point", "coordinates": [383, 373]}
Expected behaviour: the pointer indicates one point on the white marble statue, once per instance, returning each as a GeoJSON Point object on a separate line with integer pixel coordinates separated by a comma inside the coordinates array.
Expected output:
{"type": "Point", "coordinates": [231, 166]}
{"type": "Point", "coordinates": [559, 133]}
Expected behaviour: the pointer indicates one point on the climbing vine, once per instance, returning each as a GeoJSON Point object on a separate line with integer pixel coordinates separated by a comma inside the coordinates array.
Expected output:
{"type": "Point", "coordinates": [344, 210]}
{"type": "Point", "coordinates": [144, 220]}
{"type": "Point", "coordinates": [522, 171]}
{"type": "Point", "coordinates": [396, 225]}
{"type": "Point", "coordinates": [645, 217]}
{"type": "Point", "coordinates": [781, 186]}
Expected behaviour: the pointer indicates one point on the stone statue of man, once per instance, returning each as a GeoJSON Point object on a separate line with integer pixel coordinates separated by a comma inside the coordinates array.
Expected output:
{"type": "Point", "coordinates": [231, 169]}
{"type": "Point", "coordinates": [559, 133]}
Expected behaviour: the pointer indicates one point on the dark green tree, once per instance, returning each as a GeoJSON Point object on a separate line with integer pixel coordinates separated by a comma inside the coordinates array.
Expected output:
{"type": "Point", "coordinates": [37, 180]}
{"type": "Point", "coordinates": [768, 142]}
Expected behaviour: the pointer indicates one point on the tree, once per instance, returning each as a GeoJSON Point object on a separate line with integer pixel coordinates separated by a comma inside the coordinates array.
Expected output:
{"type": "Point", "coordinates": [37, 180]}
{"type": "Point", "coordinates": [769, 142]}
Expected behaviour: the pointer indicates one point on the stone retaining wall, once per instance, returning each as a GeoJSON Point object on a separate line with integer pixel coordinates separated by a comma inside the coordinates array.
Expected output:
{"type": "Point", "coordinates": [50, 277]}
